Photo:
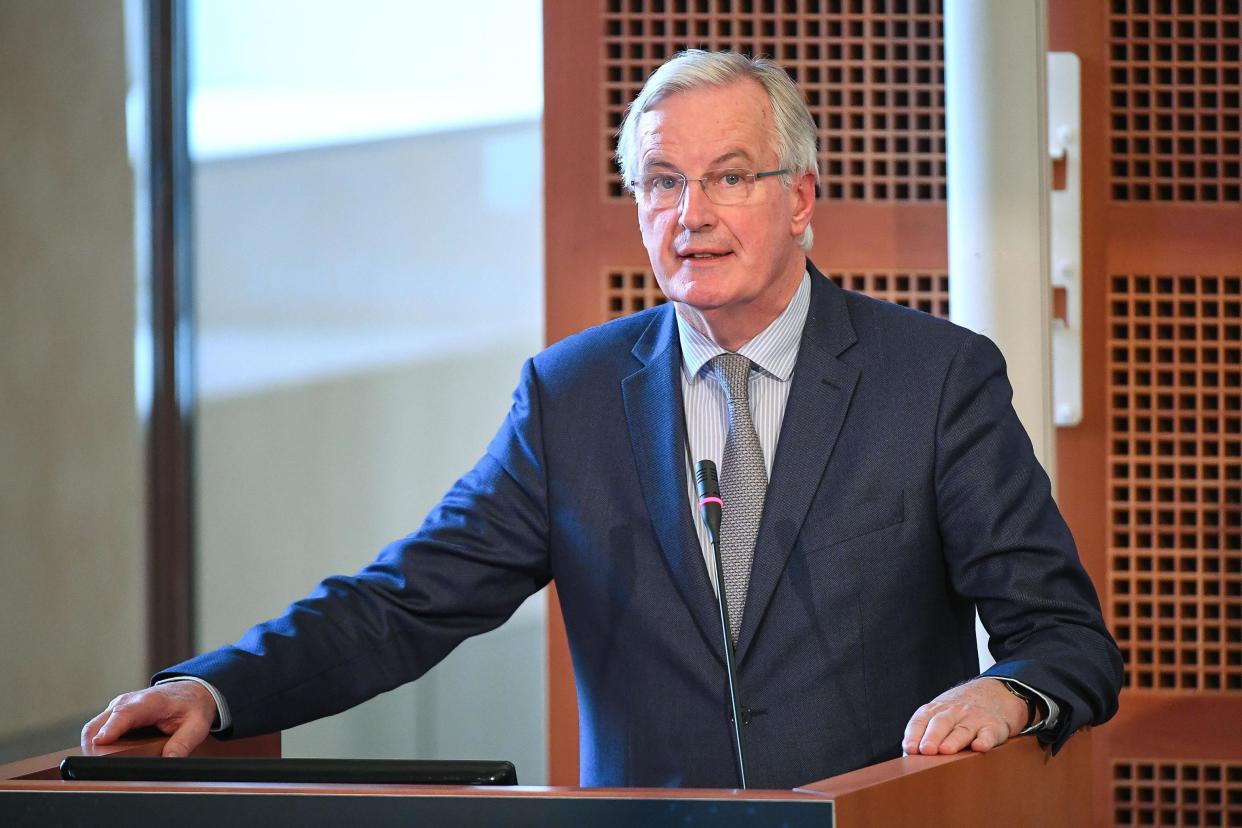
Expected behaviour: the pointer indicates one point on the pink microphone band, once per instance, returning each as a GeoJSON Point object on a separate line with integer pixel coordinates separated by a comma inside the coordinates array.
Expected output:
{"type": "Point", "coordinates": [703, 501]}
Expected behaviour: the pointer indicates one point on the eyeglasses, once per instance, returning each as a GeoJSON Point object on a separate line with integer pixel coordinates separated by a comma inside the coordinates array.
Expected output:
{"type": "Point", "coordinates": [724, 187]}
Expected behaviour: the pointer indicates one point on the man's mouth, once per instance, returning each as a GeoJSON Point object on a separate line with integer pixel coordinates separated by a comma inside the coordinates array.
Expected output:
{"type": "Point", "coordinates": [698, 256]}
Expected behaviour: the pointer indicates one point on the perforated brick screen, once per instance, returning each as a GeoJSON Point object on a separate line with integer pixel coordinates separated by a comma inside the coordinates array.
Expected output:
{"type": "Point", "coordinates": [628, 290]}
{"type": "Point", "coordinates": [1176, 793]}
{"type": "Point", "coordinates": [872, 73]}
{"type": "Point", "coordinates": [925, 291]}
{"type": "Point", "coordinates": [1175, 478]}
{"type": "Point", "coordinates": [1174, 89]}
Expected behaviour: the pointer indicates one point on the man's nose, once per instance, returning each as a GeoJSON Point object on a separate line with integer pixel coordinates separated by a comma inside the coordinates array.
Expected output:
{"type": "Point", "coordinates": [697, 210]}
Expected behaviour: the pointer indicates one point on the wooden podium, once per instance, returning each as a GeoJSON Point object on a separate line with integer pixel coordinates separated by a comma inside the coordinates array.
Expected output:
{"type": "Point", "coordinates": [1014, 785]}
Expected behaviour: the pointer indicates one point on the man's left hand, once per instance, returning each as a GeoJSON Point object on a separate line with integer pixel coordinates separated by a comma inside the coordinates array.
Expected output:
{"type": "Point", "coordinates": [979, 714]}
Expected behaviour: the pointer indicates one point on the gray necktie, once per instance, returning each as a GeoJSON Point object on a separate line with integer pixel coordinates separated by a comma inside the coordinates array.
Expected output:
{"type": "Point", "coordinates": [743, 485]}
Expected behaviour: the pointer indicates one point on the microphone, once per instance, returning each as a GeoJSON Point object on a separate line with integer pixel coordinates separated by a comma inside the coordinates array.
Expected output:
{"type": "Point", "coordinates": [710, 504]}
{"type": "Point", "coordinates": [711, 509]}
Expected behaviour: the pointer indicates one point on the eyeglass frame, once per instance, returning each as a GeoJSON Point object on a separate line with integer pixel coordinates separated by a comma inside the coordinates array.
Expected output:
{"type": "Point", "coordinates": [702, 181]}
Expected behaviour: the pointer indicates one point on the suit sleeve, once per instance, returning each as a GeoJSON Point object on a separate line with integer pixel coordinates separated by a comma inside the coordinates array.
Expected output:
{"type": "Point", "coordinates": [1010, 551]}
{"type": "Point", "coordinates": [478, 555]}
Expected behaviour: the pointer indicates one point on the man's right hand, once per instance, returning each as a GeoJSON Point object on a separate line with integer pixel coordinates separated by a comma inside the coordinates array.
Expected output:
{"type": "Point", "coordinates": [184, 710]}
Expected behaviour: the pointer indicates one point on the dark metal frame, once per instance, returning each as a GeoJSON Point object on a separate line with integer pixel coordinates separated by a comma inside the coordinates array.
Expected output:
{"type": "Point", "coordinates": [170, 427]}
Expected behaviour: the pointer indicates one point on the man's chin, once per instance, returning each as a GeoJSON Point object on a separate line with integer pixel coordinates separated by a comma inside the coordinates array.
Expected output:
{"type": "Point", "coordinates": [705, 276]}
{"type": "Point", "coordinates": [701, 298]}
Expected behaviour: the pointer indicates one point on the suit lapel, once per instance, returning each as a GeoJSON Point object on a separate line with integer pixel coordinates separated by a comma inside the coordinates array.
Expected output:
{"type": "Point", "coordinates": [823, 386]}
{"type": "Point", "coordinates": [655, 414]}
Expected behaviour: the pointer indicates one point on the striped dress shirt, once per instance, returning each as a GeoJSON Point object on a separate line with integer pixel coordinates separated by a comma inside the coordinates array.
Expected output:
{"type": "Point", "coordinates": [773, 352]}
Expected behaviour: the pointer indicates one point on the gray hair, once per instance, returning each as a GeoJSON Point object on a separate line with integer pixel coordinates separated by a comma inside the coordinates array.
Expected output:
{"type": "Point", "coordinates": [694, 69]}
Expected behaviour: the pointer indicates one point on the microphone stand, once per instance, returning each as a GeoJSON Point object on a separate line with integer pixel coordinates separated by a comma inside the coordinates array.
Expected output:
{"type": "Point", "coordinates": [710, 510]}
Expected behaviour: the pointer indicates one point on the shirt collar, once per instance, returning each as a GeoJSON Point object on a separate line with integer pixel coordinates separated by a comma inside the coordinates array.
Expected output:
{"type": "Point", "coordinates": [774, 350]}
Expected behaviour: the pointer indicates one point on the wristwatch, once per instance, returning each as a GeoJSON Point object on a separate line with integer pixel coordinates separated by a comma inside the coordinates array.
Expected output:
{"type": "Point", "coordinates": [1032, 708]}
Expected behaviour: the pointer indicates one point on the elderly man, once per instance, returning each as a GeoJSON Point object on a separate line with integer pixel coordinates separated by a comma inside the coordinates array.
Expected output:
{"type": "Point", "coordinates": [878, 488]}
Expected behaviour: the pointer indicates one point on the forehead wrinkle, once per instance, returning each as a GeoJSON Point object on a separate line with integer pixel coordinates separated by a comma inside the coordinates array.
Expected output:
{"type": "Point", "coordinates": [656, 145]}
{"type": "Point", "coordinates": [652, 143]}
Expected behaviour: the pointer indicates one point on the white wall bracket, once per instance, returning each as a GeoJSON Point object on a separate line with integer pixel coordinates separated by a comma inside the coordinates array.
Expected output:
{"type": "Point", "coordinates": [1065, 207]}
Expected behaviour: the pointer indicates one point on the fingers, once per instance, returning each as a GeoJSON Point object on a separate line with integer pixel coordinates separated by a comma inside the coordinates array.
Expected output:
{"type": "Point", "coordinates": [122, 716]}
{"type": "Point", "coordinates": [951, 729]}
{"type": "Point", "coordinates": [954, 734]}
{"type": "Point", "coordinates": [970, 715]}
{"type": "Point", "coordinates": [988, 738]}
{"type": "Point", "coordinates": [183, 709]}
{"type": "Point", "coordinates": [946, 731]}
{"type": "Point", "coordinates": [92, 727]}
{"type": "Point", "coordinates": [915, 730]}
{"type": "Point", "coordinates": [187, 737]}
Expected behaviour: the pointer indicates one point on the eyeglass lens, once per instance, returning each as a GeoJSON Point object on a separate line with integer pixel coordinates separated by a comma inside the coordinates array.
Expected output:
{"type": "Point", "coordinates": [720, 186]}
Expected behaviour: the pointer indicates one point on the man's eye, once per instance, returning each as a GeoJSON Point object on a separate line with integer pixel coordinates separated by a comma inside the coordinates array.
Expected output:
{"type": "Point", "coordinates": [731, 179]}
{"type": "Point", "coordinates": [664, 182]}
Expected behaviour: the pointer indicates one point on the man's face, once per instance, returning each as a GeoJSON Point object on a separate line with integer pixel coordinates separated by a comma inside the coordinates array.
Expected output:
{"type": "Point", "coordinates": [739, 261]}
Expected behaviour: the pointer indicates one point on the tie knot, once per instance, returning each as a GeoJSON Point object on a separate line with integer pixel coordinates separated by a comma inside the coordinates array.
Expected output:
{"type": "Point", "coordinates": [733, 373]}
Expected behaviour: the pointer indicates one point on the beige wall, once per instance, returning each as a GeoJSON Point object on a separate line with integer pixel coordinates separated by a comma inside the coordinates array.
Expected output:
{"type": "Point", "coordinates": [71, 535]}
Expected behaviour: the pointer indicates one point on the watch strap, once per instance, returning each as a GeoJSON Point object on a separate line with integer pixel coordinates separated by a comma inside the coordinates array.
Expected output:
{"type": "Point", "coordinates": [1032, 709]}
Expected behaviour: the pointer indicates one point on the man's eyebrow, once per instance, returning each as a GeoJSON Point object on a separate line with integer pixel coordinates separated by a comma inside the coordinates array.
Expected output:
{"type": "Point", "coordinates": [730, 156]}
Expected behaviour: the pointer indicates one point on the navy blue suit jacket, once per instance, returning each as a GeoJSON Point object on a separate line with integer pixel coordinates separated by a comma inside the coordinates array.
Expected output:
{"type": "Point", "coordinates": [904, 493]}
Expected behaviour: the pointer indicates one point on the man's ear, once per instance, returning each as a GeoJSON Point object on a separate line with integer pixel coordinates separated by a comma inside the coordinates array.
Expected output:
{"type": "Point", "coordinates": [803, 195]}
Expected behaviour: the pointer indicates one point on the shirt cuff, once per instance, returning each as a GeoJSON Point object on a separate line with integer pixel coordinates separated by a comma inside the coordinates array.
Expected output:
{"type": "Point", "coordinates": [223, 719]}
{"type": "Point", "coordinates": [1054, 712]}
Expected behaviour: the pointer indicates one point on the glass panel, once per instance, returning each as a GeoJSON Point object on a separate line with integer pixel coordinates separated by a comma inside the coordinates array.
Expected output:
{"type": "Point", "coordinates": [368, 219]}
